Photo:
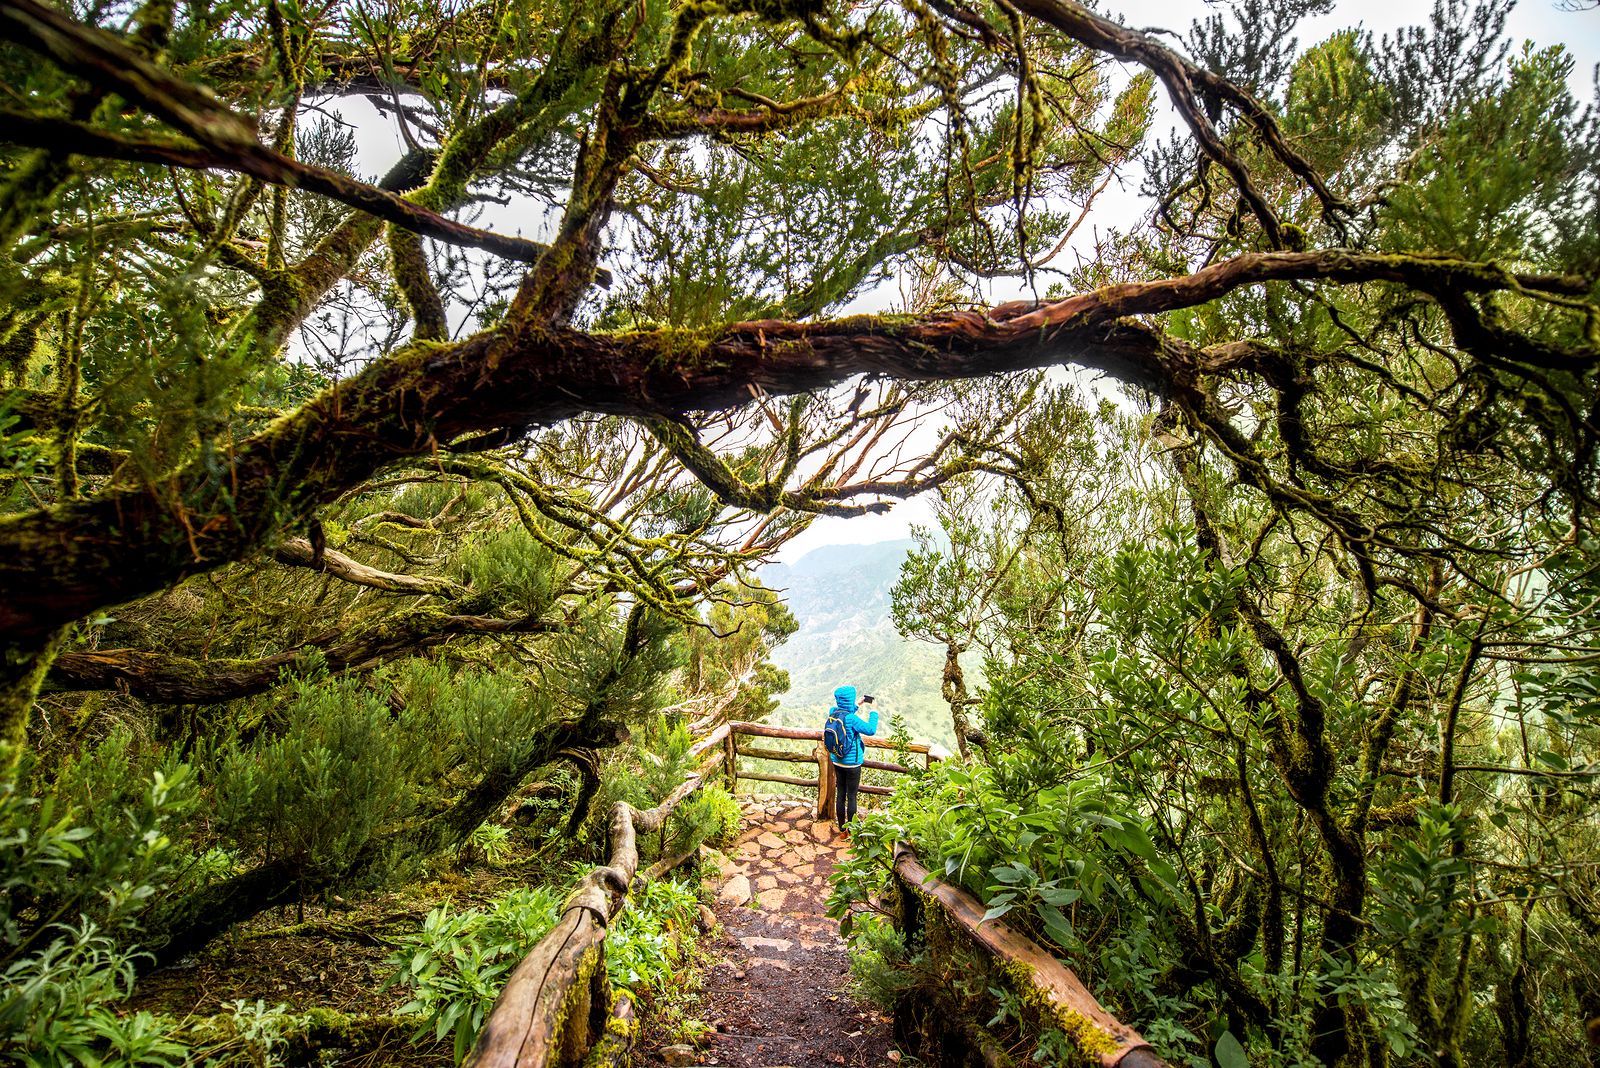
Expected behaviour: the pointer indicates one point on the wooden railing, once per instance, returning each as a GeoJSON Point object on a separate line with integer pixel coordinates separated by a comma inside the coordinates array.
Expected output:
{"type": "Point", "coordinates": [822, 781]}
{"type": "Point", "coordinates": [1059, 997]}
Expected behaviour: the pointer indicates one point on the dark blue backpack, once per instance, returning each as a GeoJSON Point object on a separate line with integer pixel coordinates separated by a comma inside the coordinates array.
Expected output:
{"type": "Point", "coordinates": [836, 736]}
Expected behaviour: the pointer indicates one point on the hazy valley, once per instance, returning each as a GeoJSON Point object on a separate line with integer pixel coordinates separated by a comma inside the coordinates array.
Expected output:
{"type": "Point", "coordinates": [840, 595]}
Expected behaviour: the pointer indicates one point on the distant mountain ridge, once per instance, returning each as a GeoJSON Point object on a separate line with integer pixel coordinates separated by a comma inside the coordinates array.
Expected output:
{"type": "Point", "coordinates": [840, 596]}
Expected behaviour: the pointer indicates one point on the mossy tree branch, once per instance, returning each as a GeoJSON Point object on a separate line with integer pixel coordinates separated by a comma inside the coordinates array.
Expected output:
{"type": "Point", "coordinates": [60, 563]}
{"type": "Point", "coordinates": [25, 128]}
{"type": "Point", "coordinates": [174, 679]}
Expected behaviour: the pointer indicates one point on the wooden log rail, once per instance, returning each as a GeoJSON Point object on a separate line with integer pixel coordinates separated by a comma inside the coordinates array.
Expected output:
{"type": "Point", "coordinates": [1062, 999]}
{"type": "Point", "coordinates": [557, 1005]}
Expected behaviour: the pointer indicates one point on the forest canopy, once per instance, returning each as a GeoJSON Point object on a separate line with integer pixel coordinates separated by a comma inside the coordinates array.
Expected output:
{"type": "Point", "coordinates": [398, 496]}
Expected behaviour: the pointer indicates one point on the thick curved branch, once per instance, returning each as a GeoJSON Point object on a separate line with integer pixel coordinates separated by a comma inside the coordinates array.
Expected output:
{"type": "Point", "coordinates": [260, 162]}
{"type": "Point", "coordinates": [173, 679]}
{"type": "Point", "coordinates": [59, 564]}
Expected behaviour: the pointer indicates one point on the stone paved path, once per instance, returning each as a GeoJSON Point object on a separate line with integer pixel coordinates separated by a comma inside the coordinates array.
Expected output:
{"type": "Point", "coordinates": [776, 991]}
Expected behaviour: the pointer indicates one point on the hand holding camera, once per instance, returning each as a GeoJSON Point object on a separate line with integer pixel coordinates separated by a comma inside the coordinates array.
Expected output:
{"type": "Point", "coordinates": [868, 699]}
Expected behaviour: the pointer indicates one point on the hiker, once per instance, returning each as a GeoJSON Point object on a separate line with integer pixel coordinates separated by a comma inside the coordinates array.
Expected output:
{"type": "Point", "coordinates": [846, 750]}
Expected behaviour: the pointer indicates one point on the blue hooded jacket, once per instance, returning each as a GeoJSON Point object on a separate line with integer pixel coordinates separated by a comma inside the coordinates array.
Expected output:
{"type": "Point", "coordinates": [844, 707]}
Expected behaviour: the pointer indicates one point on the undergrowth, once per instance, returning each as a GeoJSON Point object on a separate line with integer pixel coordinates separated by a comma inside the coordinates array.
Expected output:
{"type": "Point", "coordinates": [457, 964]}
{"type": "Point", "coordinates": [79, 866]}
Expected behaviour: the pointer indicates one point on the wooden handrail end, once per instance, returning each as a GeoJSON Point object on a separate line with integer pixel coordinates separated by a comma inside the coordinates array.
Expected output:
{"type": "Point", "coordinates": [1057, 991]}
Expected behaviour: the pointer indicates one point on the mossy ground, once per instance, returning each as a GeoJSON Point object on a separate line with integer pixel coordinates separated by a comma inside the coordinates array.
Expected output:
{"type": "Point", "coordinates": [333, 956]}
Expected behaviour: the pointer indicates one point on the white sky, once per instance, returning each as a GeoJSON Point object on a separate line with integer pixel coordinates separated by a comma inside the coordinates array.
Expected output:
{"type": "Point", "coordinates": [1540, 21]}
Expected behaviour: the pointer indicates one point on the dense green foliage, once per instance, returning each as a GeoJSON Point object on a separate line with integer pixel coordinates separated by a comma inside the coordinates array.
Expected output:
{"type": "Point", "coordinates": [81, 866]}
{"type": "Point", "coordinates": [332, 782]}
{"type": "Point", "coordinates": [1288, 738]}
{"type": "Point", "coordinates": [1152, 801]}
{"type": "Point", "coordinates": [455, 966]}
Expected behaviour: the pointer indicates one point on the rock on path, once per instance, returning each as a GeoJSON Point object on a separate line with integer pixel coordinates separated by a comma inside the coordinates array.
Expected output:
{"type": "Point", "coordinates": [776, 989]}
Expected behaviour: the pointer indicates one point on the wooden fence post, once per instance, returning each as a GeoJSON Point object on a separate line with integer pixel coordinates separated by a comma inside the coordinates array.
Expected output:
{"type": "Point", "coordinates": [908, 910]}
{"type": "Point", "coordinates": [824, 782]}
{"type": "Point", "coordinates": [731, 748]}
{"type": "Point", "coordinates": [556, 1003]}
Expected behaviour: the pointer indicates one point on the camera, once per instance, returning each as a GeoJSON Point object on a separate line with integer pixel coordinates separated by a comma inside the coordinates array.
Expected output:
{"type": "Point", "coordinates": [867, 700]}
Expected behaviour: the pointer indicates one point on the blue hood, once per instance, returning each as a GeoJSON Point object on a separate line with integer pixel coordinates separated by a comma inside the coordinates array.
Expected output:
{"type": "Point", "coordinates": [845, 697]}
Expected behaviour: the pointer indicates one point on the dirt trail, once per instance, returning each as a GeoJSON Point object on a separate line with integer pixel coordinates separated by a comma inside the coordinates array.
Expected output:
{"type": "Point", "coordinates": [776, 991]}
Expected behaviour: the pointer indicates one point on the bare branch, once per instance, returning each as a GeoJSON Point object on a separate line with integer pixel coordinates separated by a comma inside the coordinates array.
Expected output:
{"type": "Point", "coordinates": [260, 162]}
{"type": "Point", "coordinates": [299, 553]}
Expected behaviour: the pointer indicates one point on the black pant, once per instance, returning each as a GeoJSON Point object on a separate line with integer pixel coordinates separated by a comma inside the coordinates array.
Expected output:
{"type": "Point", "coordinates": [847, 781]}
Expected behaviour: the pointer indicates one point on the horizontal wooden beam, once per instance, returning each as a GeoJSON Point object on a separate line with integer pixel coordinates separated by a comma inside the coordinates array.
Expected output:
{"type": "Point", "coordinates": [770, 730]}
{"type": "Point", "coordinates": [910, 747]}
{"type": "Point", "coordinates": [759, 753]}
{"type": "Point", "coordinates": [883, 791]}
{"type": "Point", "coordinates": [1089, 1026]}
{"type": "Point", "coordinates": [792, 780]}
{"type": "Point", "coordinates": [883, 765]}
{"type": "Point", "coordinates": [710, 741]}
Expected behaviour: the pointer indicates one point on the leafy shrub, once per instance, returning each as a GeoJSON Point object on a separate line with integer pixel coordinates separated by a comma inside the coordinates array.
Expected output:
{"type": "Point", "coordinates": [492, 840]}
{"type": "Point", "coordinates": [492, 719]}
{"type": "Point", "coordinates": [654, 765]}
{"type": "Point", "coordinates": [100, 841]}
{"type": "Point", "coordinates": [316, 792]}
{"type": "Point", "coordinates": [99, 847]}
{"type": "Point", "coordinates": [881, 969]}
{"type": "Point", "coordinates": [711, 814]}
{"type": "Point", "coordinates": [1059, 861]}
{"type": "Point", "coordinates": [648, 942]}
{"type": "Point", "coordinates": [55, 1007]}
{"type": "Point", "coordinates": [344, 767]}
{"type": "Point", "coordinates": [510, 567]}
{"type": "Point", "coordinates": [60, 860]}
{"type": "Point", "coordinates": [656, 761]}
{"type": "Point", "coordinates": [249, 1032]}
{"type": "Point", "coordinates": [457, 964]}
